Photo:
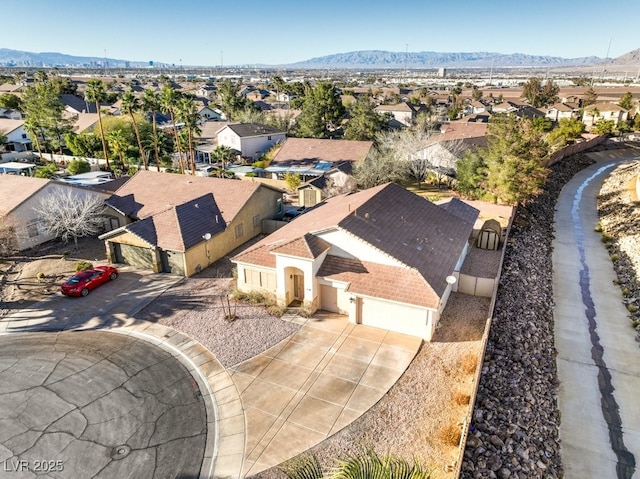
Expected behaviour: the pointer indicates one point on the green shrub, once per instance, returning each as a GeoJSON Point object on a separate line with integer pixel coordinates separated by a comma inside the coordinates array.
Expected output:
{"type": "Point", "coordinates": [606, 238]}
{"type": "Point", "coordinates": [614, 257]}
{"type": "Point", "coordinates": [598, 228]}
{"type": "Point", "coordinates": [77, 167]}
{"type": "Point", "coordinates": [632, 308]}
{"type": "Point", "coordinates": [625, 291]}
{"type": "Point", "coordinates": [40, 275]}
{"type": "Point", "coordinates": [82, 265]}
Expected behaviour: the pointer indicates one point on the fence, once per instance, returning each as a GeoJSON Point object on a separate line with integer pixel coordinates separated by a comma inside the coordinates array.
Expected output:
{"type": "Point", "coordinates": [575, 148]}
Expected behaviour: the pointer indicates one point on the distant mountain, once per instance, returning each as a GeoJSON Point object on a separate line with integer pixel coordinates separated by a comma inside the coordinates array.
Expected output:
{"type": "Point", "coordinates": [395, 60]}
{"type": "Point", "coordinates": [19, 58]}
{"type": "Point", "coordinates": [364, 59]}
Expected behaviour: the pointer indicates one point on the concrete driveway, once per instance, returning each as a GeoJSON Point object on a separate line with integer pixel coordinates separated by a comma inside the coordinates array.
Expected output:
{"type": "Point", "coordinates": [97, 405]}
{"type": "Point", "coordinates": [107, 306]}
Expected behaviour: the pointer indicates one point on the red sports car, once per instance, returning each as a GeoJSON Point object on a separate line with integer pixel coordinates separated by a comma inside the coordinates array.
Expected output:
{"type": "Point", "coordinates": [84, 281]}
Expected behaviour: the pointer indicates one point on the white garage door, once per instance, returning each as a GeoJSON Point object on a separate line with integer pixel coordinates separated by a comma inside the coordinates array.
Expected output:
{"type": "Point", "coordinates": [392, 316]}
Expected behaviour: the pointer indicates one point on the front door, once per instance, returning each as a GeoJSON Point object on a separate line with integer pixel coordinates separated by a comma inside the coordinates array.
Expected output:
{"type": "Point", "coordinates": [298, 287]}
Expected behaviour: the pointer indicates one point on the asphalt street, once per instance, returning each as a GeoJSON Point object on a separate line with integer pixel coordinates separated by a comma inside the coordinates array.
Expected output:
{"type": "Point", "coordinates": [94, 404]}
{"type": "Point", "coordinates": [107, 306]}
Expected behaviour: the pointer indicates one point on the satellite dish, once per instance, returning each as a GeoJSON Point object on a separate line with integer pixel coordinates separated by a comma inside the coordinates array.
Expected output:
{"type": "Point", "coordinates": [206, 236]}
{"type": "Point", "coordinates": [451, 279]}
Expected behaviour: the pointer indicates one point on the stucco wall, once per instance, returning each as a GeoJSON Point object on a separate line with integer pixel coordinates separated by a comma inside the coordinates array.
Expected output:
{"type": "Point", "coordinates": [347, 246]}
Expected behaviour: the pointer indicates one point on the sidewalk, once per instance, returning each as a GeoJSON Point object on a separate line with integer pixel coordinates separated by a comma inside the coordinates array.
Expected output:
{"type": "Point", "coordinates": [597, 361]}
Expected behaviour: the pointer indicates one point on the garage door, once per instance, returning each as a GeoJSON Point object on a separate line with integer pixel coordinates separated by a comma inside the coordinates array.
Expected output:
{"type": "Point", "coordinates": [135, 256]}
{"type": "Point", "coordinates": [392, 316]}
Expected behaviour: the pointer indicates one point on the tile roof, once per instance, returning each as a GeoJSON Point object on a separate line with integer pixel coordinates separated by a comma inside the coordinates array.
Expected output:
{"type": "Point", "coordinates": [309, 151]}
{"type": "Point", "coordinates": [149, 193]}
{"type": "Point", "coordinates": [7, 125]}
{"type": "Point", "coordinates": [15, 189]}
{"type": "Point", "coordinates": [462, 210]}
{"type": "Point", "coordinates": [393, 283]}
{"type": "Point", "coordinates": [307, 246]}
{"type": "Point", "coordinates": [425, 237]}
{"type": "Point", "coordinates": [245, 130]}
{"type": "Point", "coordinates": [412, 230]}
{"type": "Point", "coordinates": [176, 211]}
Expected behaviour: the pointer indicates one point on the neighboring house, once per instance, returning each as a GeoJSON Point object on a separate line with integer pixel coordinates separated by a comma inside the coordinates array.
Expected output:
{"type": "Point", "coordinates": [182, 224]}
{"type": "Point", "coordinates": [558, 111]}
{"type": "Point", "coordinates": [404, 113]}
{"type": "Point", "coordinates": [475, 107]}
{"type": "Point", "coordinates": [19, 200]}
{"type": "Point", "coordinates": [603, 111]}
{"type": "Point", "coordinates": [11, 114]}
{"type": "Point", "coordinates": [384, 256]}
{"type": "Point", "coordinates": [74, 104]}
{"type": "Point", "coordinates": [311, 157]}
{"type": "Point", "coordinates": [505, 107]}
{"type": "Point", "coordinates": [206, 91]}
{"type": "Point", "coordinates": [250, 139]}
{"type": "Point", "coordinates": [84, 122]}
{"type": "Point", "coordinates": [17, 137]}
{"type": "Point", "coordinates": [207, 113]}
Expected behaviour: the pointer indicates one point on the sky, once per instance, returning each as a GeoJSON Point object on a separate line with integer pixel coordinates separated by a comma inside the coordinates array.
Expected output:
{"type": "Point", "coordinates": [278, 32]}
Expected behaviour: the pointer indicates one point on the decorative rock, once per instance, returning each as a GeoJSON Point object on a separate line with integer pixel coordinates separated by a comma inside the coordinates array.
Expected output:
{"type": "Point", "coordinates": [516, 403]}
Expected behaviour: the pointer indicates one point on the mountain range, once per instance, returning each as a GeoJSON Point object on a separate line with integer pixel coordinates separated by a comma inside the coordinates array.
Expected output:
{"type": "Point", "coordinates": [364, 59]}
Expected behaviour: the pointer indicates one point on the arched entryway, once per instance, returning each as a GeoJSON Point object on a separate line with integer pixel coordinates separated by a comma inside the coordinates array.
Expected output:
{"type": "Point", "coordinates": [295, 286]}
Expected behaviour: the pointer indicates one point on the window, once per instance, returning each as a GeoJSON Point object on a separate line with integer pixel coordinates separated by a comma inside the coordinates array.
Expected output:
{"type": "Point", "coordinates": [260, 279]}
{"type": "Point", "coordinates": [256, 221]}
{"type": "Point", "coordinates": [269, 138]}
{"type": "Point", "coordinates": [33, 228]}
{"type": "Point", "coordinates": [239, 231]}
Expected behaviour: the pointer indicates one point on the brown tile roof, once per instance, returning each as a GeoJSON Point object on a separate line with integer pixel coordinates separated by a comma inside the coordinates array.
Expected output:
{"type": "Point", "coordinates": [15, 189]}
{"type": "Point", "coordinates": [425, 237]}
{"type": "Point", "coordinates": [412, 230]}
{"type": "Point", "coordinates": [149, 193]}
{"type": "Point", "coordinates": [7, 125]}
{"type": "Point", "coordinates": [308, 246]}
{"type": "Point", "coordinates": [308, 151]}
{"type": "Point", "coordinates": [404, 285]}
{"type": "Point", "coordinates": [457, 130]}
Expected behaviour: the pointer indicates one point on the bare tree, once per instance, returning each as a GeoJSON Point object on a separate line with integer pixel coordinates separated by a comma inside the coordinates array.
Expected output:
{"type": "Point", "coordinates": [442, 158]}
{"type": "Point", "coordinates": [336, 186]}
{"type": "Point", "coordinates": [67, 214]}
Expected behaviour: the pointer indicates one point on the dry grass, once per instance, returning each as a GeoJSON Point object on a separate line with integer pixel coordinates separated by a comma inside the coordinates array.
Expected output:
{"type": "Point", "coordinates": [469, 363]}
{"type": "Point", "coordinates": [460, 398]}
{"type": "Point", "coordinates": [450, 435]}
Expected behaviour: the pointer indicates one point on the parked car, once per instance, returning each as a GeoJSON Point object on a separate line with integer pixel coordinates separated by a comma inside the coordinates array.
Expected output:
{"type": "Point", "coordinates": [84, 281]}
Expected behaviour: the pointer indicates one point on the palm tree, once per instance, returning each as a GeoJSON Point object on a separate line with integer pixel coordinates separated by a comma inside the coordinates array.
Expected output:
{"type": "Point", "coordinates": [32, 127]}
{"type": "Point", "coordinates": [151, 104]}
{"type": "Point", "coordinates": [96, 93]}
{"type": "Point", "coordinates": [168, 100]}
{"type": "Point", "coordinates": [223, 154]}
{"type": "Point", "coordinates": [119, 144]}
{"type": "Point", "coordinates": [188, 114]}
{"type": "Point", "coordinates": [364, 465]}
{"type": "Point", "coordinates": [130, 105]}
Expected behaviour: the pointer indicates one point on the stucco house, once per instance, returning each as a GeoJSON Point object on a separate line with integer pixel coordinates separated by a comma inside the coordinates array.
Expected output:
{"type": "Point", "coordinates": [592, 114]}
{"type": "Point", "coordinates": [181, 224]}
{"type": "Point", "coordinates": [17, 137]}
{"type": "Point", "coordinates": [313, 157]}
{"type": "Point", "coordinates": [384, 257]}
{"type": "Point", "coordinates": [20, 197]}
{"type": "Point", "coordinates": [558, 111]}
{"type": "Point", "coordinates": [250, 139]}
{"type": "Point", "coordinates": [403, 113]}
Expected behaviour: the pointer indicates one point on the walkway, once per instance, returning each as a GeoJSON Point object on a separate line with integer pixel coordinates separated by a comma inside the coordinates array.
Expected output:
{"type": "Point", "coordinates": [598, 364]}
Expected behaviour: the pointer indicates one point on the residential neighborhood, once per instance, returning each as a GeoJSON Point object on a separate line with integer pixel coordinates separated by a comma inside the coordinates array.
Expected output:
{"type": "Point", "coordinates": [330, 260]}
